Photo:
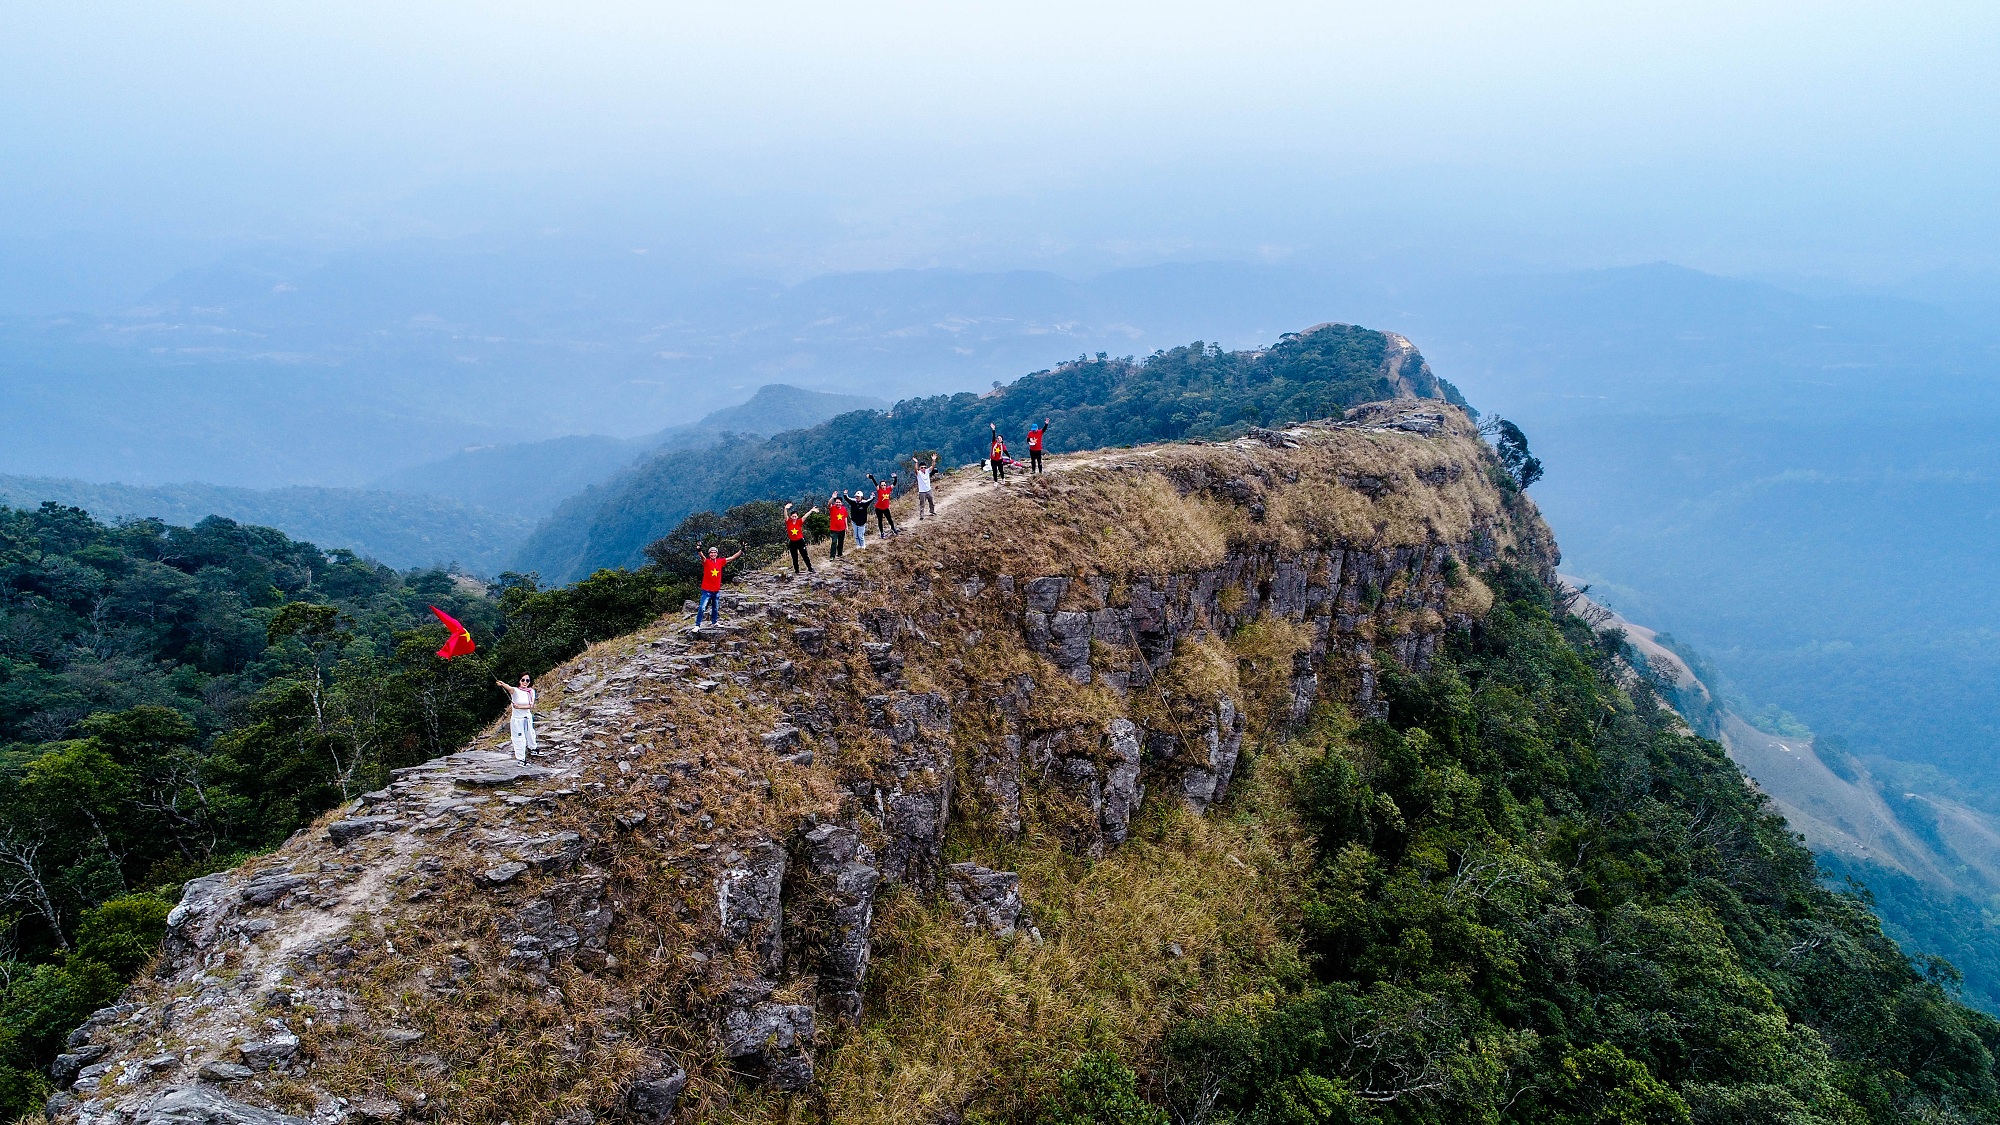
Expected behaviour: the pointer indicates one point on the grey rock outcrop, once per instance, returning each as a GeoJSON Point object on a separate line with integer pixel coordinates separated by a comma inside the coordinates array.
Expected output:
{"type": "Point", "coordinates": [193, 922]}
{"type": "Point", "coordinates": [276, 1050]}
{"type": "Point", "coordinates": [1122, 791]}
{"type": "Point", "coordinates": [772, 1041]}
{"type": "Point", "coordinates": [837, 913]}
{"type": "Point", "coordinates": [204, 1105]}
{"type": "Point", "coordinates": [984, 899]}
{"type": "Point", "coordinates": [1207, 779]}
{"type": "Point", "coordinates": [914, 799]}
{"type": "Point", "coordinates": [656, 1092]}
{"type": "Point", "coordinates": [749, 901]}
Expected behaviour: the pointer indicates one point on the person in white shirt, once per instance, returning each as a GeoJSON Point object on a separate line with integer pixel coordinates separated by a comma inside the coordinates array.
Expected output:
{"type": "Point", "coordinates": [924, 498]}
{"type": "Point", "coordinates": [521, 727]}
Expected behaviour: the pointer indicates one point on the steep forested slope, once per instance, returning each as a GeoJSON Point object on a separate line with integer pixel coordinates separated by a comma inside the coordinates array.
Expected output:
{"type": "Point", "coordinates": [1191, 391]}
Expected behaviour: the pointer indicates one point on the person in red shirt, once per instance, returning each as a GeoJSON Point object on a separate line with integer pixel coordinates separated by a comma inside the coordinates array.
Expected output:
{"type": "Point", "coordinates": [885, 491]}
{"type": "Point", "coordinates": [836, 524]}
{"type": "Point", "coordinates": [1035, 447]}
{"type": "Point", "coordinates": [711, 584]}
{"type": "Point", "coordinates": [795, 537]}
{"type": "Point", "coordinates": [997, 459]}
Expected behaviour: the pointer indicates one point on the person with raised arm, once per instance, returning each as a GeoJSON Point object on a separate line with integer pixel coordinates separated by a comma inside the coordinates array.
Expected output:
{"type": "Point", "coordinates": [711, 584]}
{"type": "Point", "coordinates": [857, 509]}
{"type": "Point", "coordinates": [997, 457]}
{"type": "Point", "coordinates": [924, 468]}
{"type": "Point", "coordinates": [1035, 447]}
{"type": "Point", "coordinates": [885, 491]}
{"type": "Point", "coordinates": [795, 538]}
{"type": "Point", "coordinates": [520, 715]}
{"type": "Point", "coordinates": [836, 524]}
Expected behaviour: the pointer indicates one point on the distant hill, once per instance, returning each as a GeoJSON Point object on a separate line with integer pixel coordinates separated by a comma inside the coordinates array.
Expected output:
{"type": "Point", "coordinates": [1193, 391]}
{"type": "Point", "coordinates": [1932, 863]}
{"type": "Point", "coordinates": [399, 529]}
{"type": "Point", "coordinates": [528, 479]}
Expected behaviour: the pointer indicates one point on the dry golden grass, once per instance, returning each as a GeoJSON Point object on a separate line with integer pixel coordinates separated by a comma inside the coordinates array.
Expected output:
{"type": "Point", "coordinates": [1264, 650]}
{"type": "Point", "coordinates": [961, 1021]}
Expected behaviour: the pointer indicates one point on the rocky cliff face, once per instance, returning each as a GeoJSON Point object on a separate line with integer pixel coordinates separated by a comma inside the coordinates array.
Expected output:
{"type": "Point", "coordinates": [673, 905]}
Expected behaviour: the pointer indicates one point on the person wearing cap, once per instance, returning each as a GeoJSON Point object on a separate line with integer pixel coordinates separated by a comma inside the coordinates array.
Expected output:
{"type": "Point", "coordinates": [925, 501]}
{"type": "Point", "coordinates": [1035, 447]}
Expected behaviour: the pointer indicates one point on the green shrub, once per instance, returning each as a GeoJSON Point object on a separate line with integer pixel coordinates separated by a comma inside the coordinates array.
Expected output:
{"type": "Point", "coordinates": [1100, 1090]}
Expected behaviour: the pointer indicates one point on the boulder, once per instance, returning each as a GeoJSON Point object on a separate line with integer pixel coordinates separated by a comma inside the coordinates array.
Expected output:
{"type": "Point", "coordinates": [1044, 594]}
{"type": "Point", "coordinates": [204, 1105]}
{"type": "Point", "coordinates": [276, 1050]}
{"type": "Point", "coordinates": [1215, 755]}
{"type": "Point", "coordinates": [191, 925]}
{"type": "Point", "coordinates": [66, 1066]}
{"type": "Point", "coordinates": [355, 827]}
{"type": "Point", "coordinates": [656, 1091]}
{"type": "Point", "coordinates": [1122, 791]}
{"type": "Point", "coordinates": [749, 902]}
{"type": "Point", "coordinates": [501, 873]}
{"type": "Point", "coordinates": [267, 889]}
{"type": "Point", "coordinates": [775, 1039]}
{"type": "Point", "coordinates": [218, 1070]}
{"type": "Point", "coordinates": [839, 903]}
{"type": "Point", "coordinates": [984, 899]}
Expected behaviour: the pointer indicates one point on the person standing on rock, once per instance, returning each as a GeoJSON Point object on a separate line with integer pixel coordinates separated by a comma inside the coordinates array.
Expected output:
{"type": "Point", "coordinates": [885, 524]}
{"type": "Point", "coordinates": [795, 538]}
{"type": "Point", "coordinates": [836, 524]}
{"type": "Point", "coordinates": [1035, 447]}
{"type": "Point", "coordinates": [711, 585]}
{"type": "Point", "coordinates": [924, 468]}
{"type": "Point", "coordinates": [520, 716]}
{"type": "Point", "coordinates": [997, 458]}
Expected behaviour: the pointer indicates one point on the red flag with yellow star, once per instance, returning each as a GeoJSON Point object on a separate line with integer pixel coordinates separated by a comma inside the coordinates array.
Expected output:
{"type": "Point", "coordinates": [461, 637]}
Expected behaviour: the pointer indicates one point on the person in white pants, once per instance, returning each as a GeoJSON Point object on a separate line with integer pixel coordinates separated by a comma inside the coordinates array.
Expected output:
{"type": "Point", "coordinates": [521, 727]}
{"type": "Point", "coordinates": [924, 497]}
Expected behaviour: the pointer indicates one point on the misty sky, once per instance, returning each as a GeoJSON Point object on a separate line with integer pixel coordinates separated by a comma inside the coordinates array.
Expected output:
{"type": "Point", "coordinates": [1845, 140]}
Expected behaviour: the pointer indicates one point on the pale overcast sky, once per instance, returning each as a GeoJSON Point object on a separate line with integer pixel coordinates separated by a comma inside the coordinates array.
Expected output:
{"type": "Point", "coordinates": [1846, 139]}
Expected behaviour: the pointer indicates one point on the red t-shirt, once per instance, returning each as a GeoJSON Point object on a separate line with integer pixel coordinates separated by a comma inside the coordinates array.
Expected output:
{"type": "Point", "coordinates": [711, 574]}
{"type": "Point", "coordinates": [795, 526]}
{"type": "Point", "coordinates": [882, 494]}
{"type": "Point", "coordinates": [999, 448]}
{"type": "Point", "coordinates": [1035, 440]}
{"type": "Point", "coordinates": [836, 518]}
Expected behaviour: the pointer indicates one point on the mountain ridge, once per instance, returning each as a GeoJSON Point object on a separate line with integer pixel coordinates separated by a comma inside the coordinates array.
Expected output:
{"type": "Point", "coordinates": [1190, 391]}
{"type": "Point", "coordinates": [1268, 777]}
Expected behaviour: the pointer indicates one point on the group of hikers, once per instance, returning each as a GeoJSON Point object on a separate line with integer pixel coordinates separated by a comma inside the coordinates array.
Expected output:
{"type": "Point", "coordinates": [845, 512]}
{"type": "Point", "coordinates": [848, 512]}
